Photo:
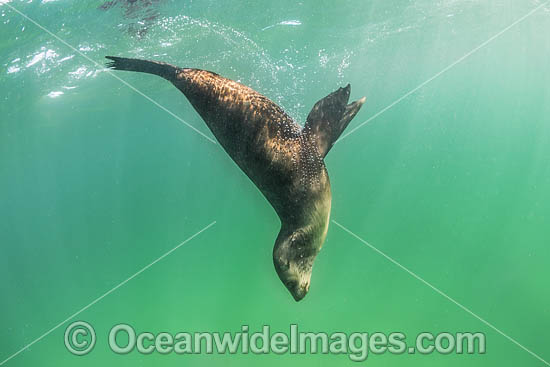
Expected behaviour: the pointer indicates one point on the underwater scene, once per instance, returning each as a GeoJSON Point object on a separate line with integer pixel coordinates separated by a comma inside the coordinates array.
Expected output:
{"type": "Point", "coordinates": [288, 183]}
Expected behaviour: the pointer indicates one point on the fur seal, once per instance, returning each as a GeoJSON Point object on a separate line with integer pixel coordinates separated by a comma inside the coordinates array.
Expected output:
{"type": "Point", "coordinates": [283, 160]}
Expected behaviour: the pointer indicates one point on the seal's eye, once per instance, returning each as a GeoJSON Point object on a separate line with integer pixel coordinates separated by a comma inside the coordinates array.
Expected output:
{"type": "Point", "coordinates": [283, 264]}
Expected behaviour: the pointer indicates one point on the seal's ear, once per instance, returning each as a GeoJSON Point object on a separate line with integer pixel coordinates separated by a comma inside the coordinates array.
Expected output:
{"type": "Point", "coordinates": [329, 118]}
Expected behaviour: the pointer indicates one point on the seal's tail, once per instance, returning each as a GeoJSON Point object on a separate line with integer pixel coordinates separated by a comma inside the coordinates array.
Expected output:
{"type": "Point", "coordinates": [162, 69]}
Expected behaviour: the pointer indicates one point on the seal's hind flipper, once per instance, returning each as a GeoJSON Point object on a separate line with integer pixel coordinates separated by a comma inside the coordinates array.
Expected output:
{"type": "Point", "coordinates": [329, 118]}
{"type": "Point", "coordinates": [162, 69]}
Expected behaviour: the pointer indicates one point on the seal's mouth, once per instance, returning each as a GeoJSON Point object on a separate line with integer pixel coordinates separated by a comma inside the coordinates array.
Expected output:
{"type": "Point", "coordinates": [297, 290]}
{"type": "Point", "coordinates": [298, 296]}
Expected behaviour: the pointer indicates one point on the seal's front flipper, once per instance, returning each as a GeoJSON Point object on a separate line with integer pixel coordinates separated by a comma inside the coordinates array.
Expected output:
{"type": "Point", "coordinates": [329, 118]}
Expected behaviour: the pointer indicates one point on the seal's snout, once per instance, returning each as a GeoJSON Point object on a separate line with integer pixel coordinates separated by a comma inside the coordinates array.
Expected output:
{"type": "Point", "coordinates": [299, 294]}
{"type": "Point", "coordinates": [293, 257]}
{"type": "Point", "coordinates": [299, 291]}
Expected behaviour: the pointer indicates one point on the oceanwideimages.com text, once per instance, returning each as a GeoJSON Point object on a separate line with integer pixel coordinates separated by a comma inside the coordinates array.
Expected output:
{"type": "Point", "coordinates": [123, 339]}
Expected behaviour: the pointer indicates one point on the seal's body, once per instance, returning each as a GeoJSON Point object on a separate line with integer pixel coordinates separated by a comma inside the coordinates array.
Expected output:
{"type": "Point", "coordinates": [284, 161]}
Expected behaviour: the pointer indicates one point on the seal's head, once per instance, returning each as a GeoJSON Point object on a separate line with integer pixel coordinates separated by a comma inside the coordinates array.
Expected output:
{"type": "Point", "coordinates": [293, 256]}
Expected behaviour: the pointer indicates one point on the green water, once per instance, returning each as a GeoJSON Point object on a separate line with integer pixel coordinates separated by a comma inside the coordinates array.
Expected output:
{"type": "Point", "coordinates": [452, 182]}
